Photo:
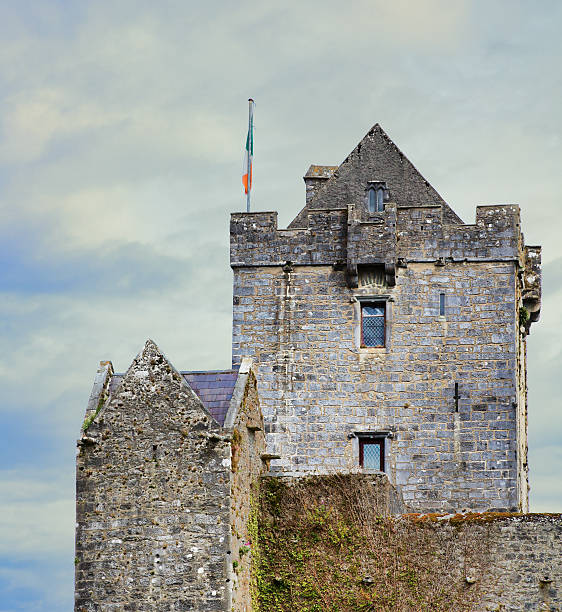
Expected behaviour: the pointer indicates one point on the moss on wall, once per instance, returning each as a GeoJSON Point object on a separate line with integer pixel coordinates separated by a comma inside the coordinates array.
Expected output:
{"type": "Point", "coordinates": [325, 544]}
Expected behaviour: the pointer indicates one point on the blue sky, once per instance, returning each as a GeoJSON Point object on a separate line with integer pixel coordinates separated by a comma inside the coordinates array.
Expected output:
{"type": "Point", "coordinates": [122, 127]}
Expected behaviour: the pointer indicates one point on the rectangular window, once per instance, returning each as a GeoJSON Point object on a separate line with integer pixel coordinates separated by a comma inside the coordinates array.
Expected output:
{"type": "Point", "coordinates": [371, 453]}
{"type": "Point", "coordinates": [441, 304]}
{"type": "Point", "coordinates": [373, 323]}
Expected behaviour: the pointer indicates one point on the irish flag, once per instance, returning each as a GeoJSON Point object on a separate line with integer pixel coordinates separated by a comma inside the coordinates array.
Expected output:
{"type": "Point", "coordinates": [248, 157]}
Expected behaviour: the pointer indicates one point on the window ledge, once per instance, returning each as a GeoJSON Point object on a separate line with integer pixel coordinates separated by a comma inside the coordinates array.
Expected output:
{"type": "Point", "coordinates": [373, 349]}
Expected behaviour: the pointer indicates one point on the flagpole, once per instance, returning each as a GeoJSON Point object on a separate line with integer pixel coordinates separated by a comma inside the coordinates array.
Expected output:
{"type": "Point", "coordinates": [250, 149]}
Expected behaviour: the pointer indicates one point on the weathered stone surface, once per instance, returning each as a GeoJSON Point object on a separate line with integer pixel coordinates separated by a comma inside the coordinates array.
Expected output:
{"type": "Point", "coordinates": [248, 446]}
{"type": "Point", "coordinates": [301, 323]}
{"type": "Point", "coordinates": [158, 497]}
{"type": "Point", "coordinates": [516, 563]}
{"type": "Point", "coordinates": [335, 542]}
{"type": "Point", "coordinates": [168, 478]}
{"type": "Point", "coordinates": [525, 565]}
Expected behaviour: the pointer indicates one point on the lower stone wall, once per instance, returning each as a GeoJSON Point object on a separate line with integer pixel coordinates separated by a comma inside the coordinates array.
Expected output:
{"type": "Point", "coordinates": [152, 499]}
{"type": "Point", "coordinates": [248, 446]}
{"type": "Point", "coordinates": [525, 561]}
{"type": "Point", "coordinates": [330, 543]}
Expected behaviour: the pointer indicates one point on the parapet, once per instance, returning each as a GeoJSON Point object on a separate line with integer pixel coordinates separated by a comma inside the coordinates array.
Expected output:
{"type": "Point", "coordinates": [424, 234]}
{"type": "Point", "coordinates": [255, 239]}
{"type": "Point", "coordinates": [408, 233]}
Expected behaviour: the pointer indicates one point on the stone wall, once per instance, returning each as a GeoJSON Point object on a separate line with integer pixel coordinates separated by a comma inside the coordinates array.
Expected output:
{"type": "Point", "coordinates": [329, 543]}
{"type": "Point", "coordinates": [525, 567]}
{"type": "Point", "coordinates": [248, 448]}
{"type": "Point", "coordinates": [153, 498]}
{"type": "Point", "coordinates": [318, 385]}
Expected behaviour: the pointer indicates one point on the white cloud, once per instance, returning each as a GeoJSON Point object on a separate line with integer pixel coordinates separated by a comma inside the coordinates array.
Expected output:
{"type": "Point", "coordinates": [36, 514]}
{"type": "Point", "coordinates": [436, 23]}
{"type": "Point", "coordinates": [122, 133]}
{"type": "Point", "coordinates": [33, 118]}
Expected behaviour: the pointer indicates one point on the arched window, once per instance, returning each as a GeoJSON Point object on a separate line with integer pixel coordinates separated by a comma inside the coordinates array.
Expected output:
{"type": "Point", "coordinates": [372, 200]}
{"type": "Point", "coordinates": [380, 200]}
{"type": "Point", "coordinates": [376, 199]}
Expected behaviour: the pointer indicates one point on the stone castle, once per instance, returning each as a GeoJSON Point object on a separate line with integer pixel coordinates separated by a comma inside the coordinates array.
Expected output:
{"type": "Point", "coordinates": [377, 335]}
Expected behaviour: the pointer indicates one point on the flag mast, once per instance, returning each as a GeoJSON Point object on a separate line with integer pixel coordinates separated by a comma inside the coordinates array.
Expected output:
{"type": "Point", "coordinates": [249, 152]}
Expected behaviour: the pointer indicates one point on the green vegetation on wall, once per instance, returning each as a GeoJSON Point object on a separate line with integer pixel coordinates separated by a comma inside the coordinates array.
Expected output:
{"type": "Point", "coordinates": [324, 545]}
{"type": "Point", "coordinates": [89, 420]}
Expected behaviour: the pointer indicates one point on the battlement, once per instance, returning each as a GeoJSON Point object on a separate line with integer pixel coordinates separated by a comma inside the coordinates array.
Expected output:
{"type": "Point", "coordinates": [255, 239]}
{"type": "Point", "coordinates": [352, 235]}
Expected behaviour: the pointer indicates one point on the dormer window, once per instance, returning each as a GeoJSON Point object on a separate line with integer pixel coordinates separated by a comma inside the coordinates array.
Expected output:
{"type": "Point", "coordinates": [375, 198]}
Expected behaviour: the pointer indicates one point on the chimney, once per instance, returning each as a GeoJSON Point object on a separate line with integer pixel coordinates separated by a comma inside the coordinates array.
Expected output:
{"type": "Point", "coordinates": [315, 177]}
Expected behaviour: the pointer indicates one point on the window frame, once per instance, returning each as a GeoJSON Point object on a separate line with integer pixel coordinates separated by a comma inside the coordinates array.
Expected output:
{"type": "Point", "coordinates": [372, 200]}
{"type": "Point", "coordinates": [377, 304]}
{"type": "Point", "coordinates": [379, 201]}
{"type": "Point", "coordinates": [442, 304]}
{"type": "Point", "coordinates": [380, 441]}
{"type": "Point", "coordinates": [375, 199]}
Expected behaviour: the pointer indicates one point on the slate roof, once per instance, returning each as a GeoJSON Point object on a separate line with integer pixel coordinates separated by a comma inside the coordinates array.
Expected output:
{"type": "Point", "coordinates": [214, 388]}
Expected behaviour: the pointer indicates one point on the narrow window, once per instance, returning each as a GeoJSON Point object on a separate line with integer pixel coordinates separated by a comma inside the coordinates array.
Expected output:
{"type": "Point", "coordinates": [372, 200]}
{"type": "Point", "coordinates": [380, 200]}
{"type": "Point", "coordinates": [441, 304]}
{"type": "Point", "coordinates": [373, 324]}
{"type": "Point", "coordinates": [371, 453]}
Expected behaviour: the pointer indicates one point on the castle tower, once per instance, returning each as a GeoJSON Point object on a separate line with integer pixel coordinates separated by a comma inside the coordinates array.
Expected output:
{"type": "Point", "coordinates": [389, 335]}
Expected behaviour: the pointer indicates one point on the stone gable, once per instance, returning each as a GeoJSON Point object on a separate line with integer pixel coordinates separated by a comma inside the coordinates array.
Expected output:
{"type": "Point", "coordinates": [375, 158]}
{"type": "Point", "coordinates": [156, 488]}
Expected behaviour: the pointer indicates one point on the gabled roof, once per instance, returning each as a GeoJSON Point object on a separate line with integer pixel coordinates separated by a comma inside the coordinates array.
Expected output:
{"type": "Point", "coordinates": [376, 157]}
{"type": "Point", "coordinates": [214, 388]}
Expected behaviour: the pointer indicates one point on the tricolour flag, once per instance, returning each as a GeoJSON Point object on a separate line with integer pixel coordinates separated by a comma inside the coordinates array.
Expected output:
{"type": "Point", "coordinates": [248, 156]}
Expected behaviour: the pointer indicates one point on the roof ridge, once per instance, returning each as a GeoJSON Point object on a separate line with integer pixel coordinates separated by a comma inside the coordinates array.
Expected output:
{"type": "Point", "coordinates": [230, 370]}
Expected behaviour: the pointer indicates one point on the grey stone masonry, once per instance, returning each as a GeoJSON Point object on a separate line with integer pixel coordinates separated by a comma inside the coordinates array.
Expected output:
{"type": "Point", "coordinates": [315, 178]}
{"type": "Point", "coordinates": [159, 491]}
{"type": "Point", "coordinates": [458, 301]}
{"type": "Point", "coordinates": [525, 565]}
{"type": "Point", "coordinates": [513, 561]}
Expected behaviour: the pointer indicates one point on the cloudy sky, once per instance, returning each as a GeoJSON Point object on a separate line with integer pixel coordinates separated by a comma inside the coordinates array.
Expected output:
{"type": "Point", "coordinates": [122, 126]}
